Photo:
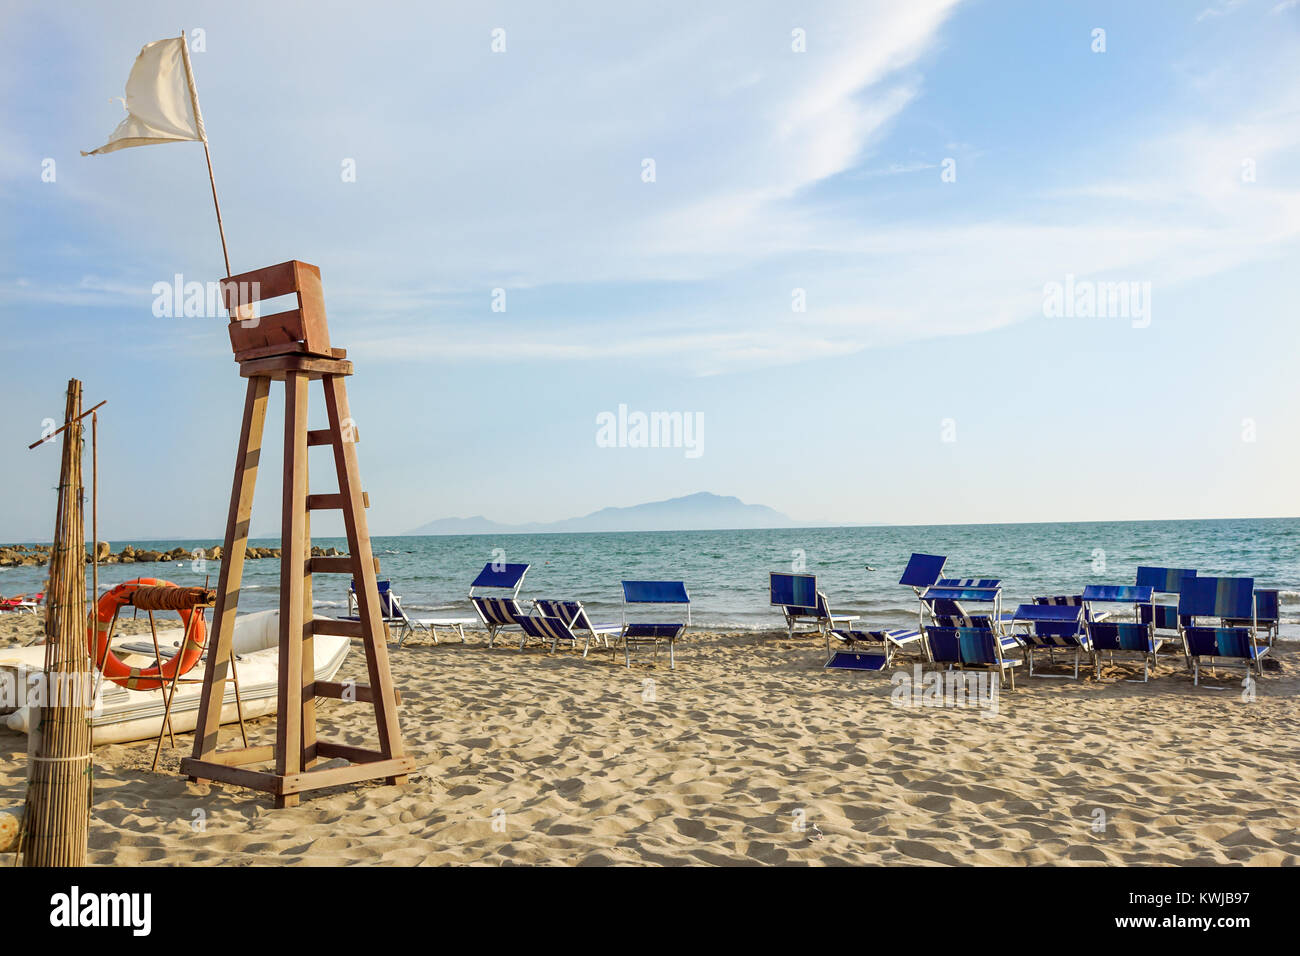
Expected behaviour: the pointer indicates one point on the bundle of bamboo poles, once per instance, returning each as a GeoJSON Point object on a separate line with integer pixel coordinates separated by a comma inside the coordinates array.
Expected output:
{"type": "Point", "coordinates": [57, 820]}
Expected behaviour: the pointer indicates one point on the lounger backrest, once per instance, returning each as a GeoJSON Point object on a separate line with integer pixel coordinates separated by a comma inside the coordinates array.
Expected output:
{"type": "Point", "coordinates": [1165, 616]}
{"type": "Point", "coordinates": [389, 606]}
{"type": "Point", "coordinates": [922, 570]}
{"type": "Point", "coordinates": [1118, 593]}
{"type": "Point", "coordinates": [498, 612]}
{"type": "Point", "coordinates": [968, 582]}
{"type": "Point", "coordinates": [1266, 609]}
{"type": "Point", "coordinates": [1121, 636]}
{"type": "Point", "coordinates": [1266, 606]}
{"type": "Point", "coordinates": [571, 613]}
{"type": "Point", "coordinates": [963, 645]}
{"type": "Point", "coordinates": [1220, 642]}
{"type": "Point", "coordinates": [1217, 597]}
{"type": "Point", "coordinates": [1164, 580]}
{"type": "Point", "coordinates": [796, 592]}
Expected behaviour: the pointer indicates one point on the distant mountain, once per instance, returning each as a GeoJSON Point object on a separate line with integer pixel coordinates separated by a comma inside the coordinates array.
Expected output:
{"type": "Point", "coordinates": [698, 512]}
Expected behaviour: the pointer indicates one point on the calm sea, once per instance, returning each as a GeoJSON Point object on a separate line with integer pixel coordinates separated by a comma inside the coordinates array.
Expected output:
{"type": "Point", "coordinates": [726, 571]}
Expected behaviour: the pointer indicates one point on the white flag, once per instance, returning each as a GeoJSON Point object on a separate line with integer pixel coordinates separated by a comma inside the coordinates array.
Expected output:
{"type": "Point", "coordinates": [162, 104]}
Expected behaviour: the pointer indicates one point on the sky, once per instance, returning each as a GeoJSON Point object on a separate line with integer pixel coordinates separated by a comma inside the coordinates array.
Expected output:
{"type": "Point", "coordinates": [830, 234]}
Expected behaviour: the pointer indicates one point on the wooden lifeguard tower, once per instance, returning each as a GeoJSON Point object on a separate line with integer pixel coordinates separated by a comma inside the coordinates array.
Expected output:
{"type": "Point", "coordinates": [293, 347]}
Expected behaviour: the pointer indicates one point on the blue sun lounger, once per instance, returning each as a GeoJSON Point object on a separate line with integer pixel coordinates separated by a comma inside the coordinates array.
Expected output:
{"type": "Point", "coordinates": [499, 612]}
{"type": "Point", "coordinates": [871, 650]}
{"type": "Point", "coordinates": [575, 619]}
{"type": "Point", "coordinates": [802, 603]}
{"type": "Point", "coordinates": [943, 603]}
{"type": "Point", "coordinates": [1164, 617]}
{"type": "Point", "coordinates": [655, 595]}
{"type": "Point", "coordinates": [978, 648]}
{"type": "Point", "coordinates": [1122, 637]}
{"type": "Point", "coordinates": [1267, 618]}
{"type": "Point", "coordinates": [1226, 599]}
{"type": "Point", "coordinates": [1052, 627]}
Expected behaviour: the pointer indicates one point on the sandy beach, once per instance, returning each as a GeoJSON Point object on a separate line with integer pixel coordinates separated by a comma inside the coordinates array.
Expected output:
{"type": "Point", "coordinates": [748, 753]}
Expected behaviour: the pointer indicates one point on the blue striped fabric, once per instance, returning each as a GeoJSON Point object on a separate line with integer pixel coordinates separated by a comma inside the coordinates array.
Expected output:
{"type": "Point", "coordinates": [548, 629]}
{"type": "Point", "coordinates": [963, 645]}
{"type": "Point", "coordinates": [1124, 593]}
{"type": "Point", "coordinates": [968, 582]}
{"type": "Point", "coordinates": [938, 593]}
{"type": "Point", "coordinates": [1121, 636]}
{"type": "Point", "coordinates": [1231, 642]}
{"type": "Point", "coordinates": [1165, 616]}
{"type": "Point", "coordinates": [498, 612]}
{"type": "Point", "coordinates": [795, 591]}
{"type": "Point", "coordinates": [899, 636]}
{"type": "Point", "coordinates": [1057, 613]}
{"type": "Point", "coordinates": [1217, 597]}
{"type": "Point", "coordinates": [655, 592]}
{"type": "Point", "coordinates": [1164, 580]}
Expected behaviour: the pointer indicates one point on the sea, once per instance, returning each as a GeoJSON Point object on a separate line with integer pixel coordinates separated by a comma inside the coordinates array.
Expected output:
{"type": "Point", "coordinates": [726, 572]}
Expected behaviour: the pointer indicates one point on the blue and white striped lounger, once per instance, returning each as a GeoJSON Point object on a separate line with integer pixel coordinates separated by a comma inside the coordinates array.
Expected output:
{"type": "Point", "coordinates": [575, 617]}
{"type": "Point", "coordinates": [499, 612]}
{"type": "Point", "coordinates": [1052, 627]}
{"type": "Point", "coordinates": [871, 650]}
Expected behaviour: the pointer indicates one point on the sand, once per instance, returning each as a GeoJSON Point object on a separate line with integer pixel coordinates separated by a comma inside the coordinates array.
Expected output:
{"type": "Point", "coordinates": [748, 753]}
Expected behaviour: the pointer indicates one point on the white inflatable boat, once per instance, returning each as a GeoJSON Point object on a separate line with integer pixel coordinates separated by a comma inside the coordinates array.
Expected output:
{"type": "Point", "coordinates": [123, 715]}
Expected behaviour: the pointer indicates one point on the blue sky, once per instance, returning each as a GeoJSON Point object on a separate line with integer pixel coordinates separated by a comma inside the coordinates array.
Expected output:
{"type": "Point", "coordinates": [923, 383]}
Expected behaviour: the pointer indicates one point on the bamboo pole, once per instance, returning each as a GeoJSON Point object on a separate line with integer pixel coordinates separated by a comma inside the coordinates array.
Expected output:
{"type": "Point", "coordinates": [57, 820]}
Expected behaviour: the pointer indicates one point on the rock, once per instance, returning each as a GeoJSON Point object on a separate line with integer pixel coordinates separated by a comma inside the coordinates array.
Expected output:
{"type": "Point", "coordinates": [215, 553]}
{"type": "Point", "coordinates": [332, 552]}
{"type": "Point", "coordinates": [105, 549]}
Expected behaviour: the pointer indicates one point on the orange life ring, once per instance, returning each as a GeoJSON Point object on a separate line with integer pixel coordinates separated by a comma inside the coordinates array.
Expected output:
{"type": "Point", "coordinates": [141, 678]}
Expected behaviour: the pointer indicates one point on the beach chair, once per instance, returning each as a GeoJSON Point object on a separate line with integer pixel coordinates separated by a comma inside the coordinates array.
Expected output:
{"type": "Point", "coordinates": [1052, 627]}
{"type": "Point", "coordinates": [499, 612]}
{"type": "Point", "coordinates": [1163, 617]}
{"type": "Point", "coordinates": [1267, 617]}
{"type": "Point", "coordinates": [978, 648]}
{"type": "Point", "coordinates": [802, 603]}
{"type": "Point", "coordinates": [871, 650]}
{"type": "Point", "coordinates": [1121, 637]}
{"type": "Point", "coordinates": [20, 602]}
{"type": "Point", "coordinates": [925, 571]}
{"type": "Point", "coordinates": [657, 595]}
{"type": "Point", "coordinates": [943, 603]}
{"type": "Point", "coordinates": [575, 618]}
{"type": "Point", "coordinates": [1228, 599]}
{"type": "Point", "coordinates": [390, 609]}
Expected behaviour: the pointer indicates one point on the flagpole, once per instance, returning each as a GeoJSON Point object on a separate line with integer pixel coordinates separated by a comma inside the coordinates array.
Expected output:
{"type": "Point", "coordinates": [194, 99]}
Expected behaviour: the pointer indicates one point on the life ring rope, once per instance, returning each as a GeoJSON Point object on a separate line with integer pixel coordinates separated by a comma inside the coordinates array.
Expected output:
{"type": "Point", "coordinates": [141, 678]}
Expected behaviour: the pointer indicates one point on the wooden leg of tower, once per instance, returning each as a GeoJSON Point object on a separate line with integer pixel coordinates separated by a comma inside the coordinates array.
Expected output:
{"type": "Point", "coordinates": [293, 567]}
{"type": "Point", "coordinates": [232, 569]}
{"type": "Point", "coordinates": [308, 645]}
{"type": "Point", "coordinates": [354, 519]}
